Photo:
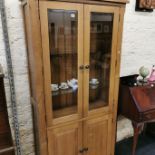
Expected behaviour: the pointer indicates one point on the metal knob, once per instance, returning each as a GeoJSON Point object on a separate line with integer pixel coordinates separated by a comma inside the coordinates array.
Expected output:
{"type": "Point", "coordinates": [85, 149]}
{"type": "Point", "coordinates": [87, 67]}
{"type": "Point", "coordinates": [81, 67]}
{"type": "Point", "coordinates": [81, 151]}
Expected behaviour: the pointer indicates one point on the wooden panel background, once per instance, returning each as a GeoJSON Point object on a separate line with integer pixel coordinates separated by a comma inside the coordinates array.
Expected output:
{"type": "Point", "coordinates": [148, 4]}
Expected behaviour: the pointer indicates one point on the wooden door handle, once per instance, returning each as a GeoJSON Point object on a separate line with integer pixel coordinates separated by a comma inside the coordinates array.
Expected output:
{"type": "Point", "coordinates": [85, 149]}
{"type": "Point", "coordinates": [81, 151]}
{"type": "Point", "coordinates": [87, 67]}
{"type": "Point", "coordinates": [81, 67]}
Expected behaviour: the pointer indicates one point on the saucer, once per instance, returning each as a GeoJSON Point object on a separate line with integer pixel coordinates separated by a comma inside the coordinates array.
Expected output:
{"type": "Point", "coordinates": [64, 87]}
{"type": "Point", "coordinates": [94, 83]}
{"type": "Point", "coordinates": [55, 89]}
{"type": "Point", "coordinates": [94, 86]}
{"type": "Point", "coordinates": [71, 84]}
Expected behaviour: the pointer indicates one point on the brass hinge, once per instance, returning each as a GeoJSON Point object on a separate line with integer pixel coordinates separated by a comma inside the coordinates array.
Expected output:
{"type": "Point", "coordinates": [119, 17]}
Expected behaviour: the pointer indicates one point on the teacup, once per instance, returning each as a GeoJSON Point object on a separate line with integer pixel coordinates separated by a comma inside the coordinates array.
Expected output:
{"type": "Point", "coordinates": [94, 80]}
{"type": "Point", "coordinates": [74, 81]}
{"type": "Point", "coordinates": [54, 86]}
{"type": "Point", "coordinates": [63, 85]}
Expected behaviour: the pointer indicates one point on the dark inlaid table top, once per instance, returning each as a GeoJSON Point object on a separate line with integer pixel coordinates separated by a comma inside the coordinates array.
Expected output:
{"type": "Point", "coordinates": [144, 97]}
{"type": "Point", "coordinates": [136, 102]}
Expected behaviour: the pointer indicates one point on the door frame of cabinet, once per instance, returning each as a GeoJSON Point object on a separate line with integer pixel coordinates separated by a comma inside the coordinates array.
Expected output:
{"type": "Point", "coordinates": [101, 9]}
{"type": "Point", "coordinates": [81, 55]}
{"type": "Point", "coordinates": [56, 132]}
{"type": "Point", "coordinates": [116, 2]}
{"type": "Point", "coordinates": [97, 120]}
{"type": "Point", "coordinates": [83, 128]}
{"type": "Point", "coordinates": [44, 6]}
{"type": "Point", "coordinates": [34, 54]}
{"type": "Point", "coordinates": [117, 78]}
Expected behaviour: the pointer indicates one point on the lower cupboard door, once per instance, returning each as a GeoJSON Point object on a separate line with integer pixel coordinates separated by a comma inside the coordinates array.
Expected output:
{"type": "Point", "coordinates": [65, 140]}
{"type": "Point", "coordinates": [97, 136]}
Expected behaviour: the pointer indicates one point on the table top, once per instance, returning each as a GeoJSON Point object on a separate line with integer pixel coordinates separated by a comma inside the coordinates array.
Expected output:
{"type": "Point", "coordinates": [144, 97]}
{"type": "Point", "coordinates": [136, 102]}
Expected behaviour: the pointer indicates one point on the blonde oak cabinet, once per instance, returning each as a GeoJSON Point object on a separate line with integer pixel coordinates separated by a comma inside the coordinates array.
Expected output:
{"type": "Point", "coordinates": [74, 57]}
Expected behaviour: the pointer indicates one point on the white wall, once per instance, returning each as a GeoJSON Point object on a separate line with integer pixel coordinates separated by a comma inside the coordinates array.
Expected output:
{"type": "Point", "coordinates": [138, 49]}
{"type": "Point", "coordinates": [18, 51]}
{"type": "Point", "coordinates": [138, 40]}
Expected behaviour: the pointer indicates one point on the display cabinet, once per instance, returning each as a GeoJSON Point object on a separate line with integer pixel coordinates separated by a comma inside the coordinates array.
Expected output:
{"type": "Point", "coordinates": [74, 55]}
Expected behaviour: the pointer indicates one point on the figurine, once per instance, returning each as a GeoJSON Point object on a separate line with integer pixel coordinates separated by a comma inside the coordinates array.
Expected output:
{"type": "Point", "coordinates": [144, 72]}
{"type": "Point", "coordinates": [152, 76]}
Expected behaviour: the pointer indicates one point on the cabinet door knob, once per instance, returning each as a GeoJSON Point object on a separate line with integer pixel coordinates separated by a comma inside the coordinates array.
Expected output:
{"type": "Point", "coordinates": [81, 67]}
{"type": "Point", "coordinates": [87, 67]}
{"type": "Point", "coordinates": [86, 149]}
{"type": "Point", "coordinates": [81, 151]}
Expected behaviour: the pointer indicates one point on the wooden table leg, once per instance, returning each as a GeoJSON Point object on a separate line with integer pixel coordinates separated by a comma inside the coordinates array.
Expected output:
{"type": "Point", "coordinates": [137, 129]}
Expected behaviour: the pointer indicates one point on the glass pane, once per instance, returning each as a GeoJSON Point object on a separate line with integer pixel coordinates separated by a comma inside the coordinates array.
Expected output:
{"type": "Point", "coordinates": [63, 57]}
{"type": "Point", "coordinates": [100, 59]}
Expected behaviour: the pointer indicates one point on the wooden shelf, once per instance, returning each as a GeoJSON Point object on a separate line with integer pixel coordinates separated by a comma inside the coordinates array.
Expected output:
{"type": "Point", "coordinates": [7, 150]}
{"type": "Point", "coordinates": [97, 104]}
{"type": "Point", "coordinates": [63, 92]}
{"type": "Point", "coordinates": [70, 90]}
{"type": "Point", "coordinates": [63, 54]}
{"type": "Point", "coordinates": [65, 111]}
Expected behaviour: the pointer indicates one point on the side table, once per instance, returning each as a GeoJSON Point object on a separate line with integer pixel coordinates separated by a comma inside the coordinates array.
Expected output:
{"type": "Point", "coordinates": [137, 103]}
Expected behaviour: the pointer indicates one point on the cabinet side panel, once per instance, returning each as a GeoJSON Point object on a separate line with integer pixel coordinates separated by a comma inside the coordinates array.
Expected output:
{"type": "Point", "coordinates": [117, 77]}
{"type": "Point", "coordinates": [33, 38]}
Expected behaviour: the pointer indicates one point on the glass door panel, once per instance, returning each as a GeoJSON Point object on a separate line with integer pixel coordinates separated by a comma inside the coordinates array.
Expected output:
{"type": "Point", "coordinates": [63, 60]}
{"type": "Point", "coordinates": [101, 26]}
{"type": "Point", "coordinates": [62, 42]}
{"type": "Point", "coordinates": [101, 29]}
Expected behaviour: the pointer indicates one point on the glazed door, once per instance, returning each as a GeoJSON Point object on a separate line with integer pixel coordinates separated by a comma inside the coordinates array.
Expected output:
{"type": "Point", "coordinates": [97, 136]}
{"type": "Point", "coordinates": [100, 44]}
{"type": "Point", "coordinates": [62, 42]}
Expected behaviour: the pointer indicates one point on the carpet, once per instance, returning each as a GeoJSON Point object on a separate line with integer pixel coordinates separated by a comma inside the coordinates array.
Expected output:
{"type": "Point", "coordinates": [145, 146]}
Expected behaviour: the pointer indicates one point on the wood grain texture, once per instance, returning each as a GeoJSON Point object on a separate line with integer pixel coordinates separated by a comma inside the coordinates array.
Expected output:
{"type": "Point", "coordinates": [117, 75]}
{"type": "Point", "coordinates": [97, 136]}
{"type": "Point", "coordinates": [137, 104]}
{"type": "Point", "coordinates": [143, 97]}
{"type": "Point", "coordinates": [94, 129]}
{"type": "Point", "coordinates": [46, 55]}
{"type": "Point", "coordinates": [65, 140]}
{"type": "Point", "coordinates": [147, 4]}
{"type": "Point", "coordinates": [33, 38]}
{"type": "Point", "coordinates": [89, 1]}
{"type": "Point", "coordinates": [101, 9]}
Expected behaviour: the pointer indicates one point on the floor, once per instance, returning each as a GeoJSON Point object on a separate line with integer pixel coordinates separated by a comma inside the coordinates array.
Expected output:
{"type": "Point", "coordinates": [145, 146]}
